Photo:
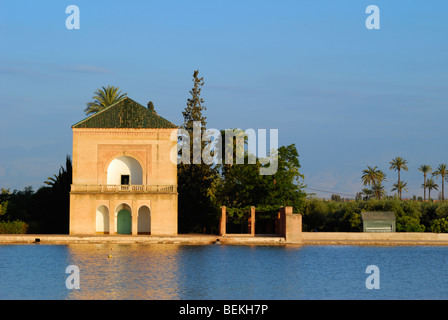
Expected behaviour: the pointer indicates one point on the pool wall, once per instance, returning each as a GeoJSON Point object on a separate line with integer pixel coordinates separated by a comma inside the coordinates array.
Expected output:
{"type": "Point", "coordinates": [307, 238]}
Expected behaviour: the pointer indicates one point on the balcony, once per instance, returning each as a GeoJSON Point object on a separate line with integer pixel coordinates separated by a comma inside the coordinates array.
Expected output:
{"type": "Point", "coordinates": [108, 188]}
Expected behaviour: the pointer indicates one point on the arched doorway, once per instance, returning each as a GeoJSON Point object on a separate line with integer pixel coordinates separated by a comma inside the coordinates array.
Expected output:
{"type": "Point", "coordinates": [102, 220]}
{"type": "Point", "coordinates": [124, 170]}
{"type": "Point", "coordinates": [144, 220]}
{"type": "Point", "coordinates": [124, 219]}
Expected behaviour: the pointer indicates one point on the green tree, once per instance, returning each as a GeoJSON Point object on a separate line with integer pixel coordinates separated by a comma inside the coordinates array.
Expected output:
{"type": "Point", "coordinates": [368, 193]}
{"type": "Point", "coordinates": [56, 199]}
{"type": "Point", "coordinates": [425, 168]}
{"type": "Point", "coordinates": [151, 106]}
{"type": "Point", "coordinates": [374, 178]}
{"type": "Point", "coordinates": [4, 196]}
{"type": "Point", "coordinates": [400, 187]}
{"type": "Point", "coordinates": [103, 98]}
{"type": "Point", "coordinates": [370, 176]}
{"type": "Point", "coordinates": [195, 180]}
{"type": "Point", "coordinates": [441, 171]}
{"type": "Point", "coordinates": [430, 185]}
{"type": "Point", "coordinates": [378, 191]}
{"type": "Point", "coordinates": [241, 185]}
{"type": "Point", "coordinates": [286, 188]}
{"type": "Point", "coordinates": [439, 225]}
{"type": "Point", "coordinates": [409, 224]}
{"type": "Point", "coordinates": [399, 164]}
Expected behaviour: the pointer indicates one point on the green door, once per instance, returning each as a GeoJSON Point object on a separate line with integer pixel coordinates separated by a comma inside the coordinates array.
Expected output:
{"type": "Point", "coordinates": [124, 222]}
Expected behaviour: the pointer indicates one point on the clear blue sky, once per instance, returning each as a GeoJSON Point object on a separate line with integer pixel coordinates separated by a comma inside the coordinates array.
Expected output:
{"type": "Point", "coordinates": [347, 96]}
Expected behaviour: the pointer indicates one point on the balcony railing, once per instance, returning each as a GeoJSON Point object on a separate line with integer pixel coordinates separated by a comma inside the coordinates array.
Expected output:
{"type": "Point", "coordinates": [124, 188]}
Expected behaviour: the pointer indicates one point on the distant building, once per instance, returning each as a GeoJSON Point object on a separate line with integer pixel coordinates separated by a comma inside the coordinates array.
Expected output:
{"type": "Point", "coordinates": [124, 181]}
{"type": "Point", "coordinates": [378, 221]}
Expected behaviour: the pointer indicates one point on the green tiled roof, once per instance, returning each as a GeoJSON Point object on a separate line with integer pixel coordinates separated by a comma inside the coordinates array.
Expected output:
{"type": "Point", "coordinates": [125, 113]}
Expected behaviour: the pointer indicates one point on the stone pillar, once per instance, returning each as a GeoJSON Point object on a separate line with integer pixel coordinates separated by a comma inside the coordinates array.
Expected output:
{"type": "Point", "coordinates": [293, 226]}
{"type": "Point", "coordinates": [222, 222]}
{"type": "Point", "coordinates": [112, 218]}
{"type": "Point", "coordinates": [134, 217]}
{"type": "Point", "coordinates": [252, 221]}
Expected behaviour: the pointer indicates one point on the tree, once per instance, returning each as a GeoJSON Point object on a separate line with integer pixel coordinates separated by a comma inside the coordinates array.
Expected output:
{"type": "Point", "coordinates": [399, 187]}
{"type": "Point", "coordinates": [442, 171]}
{"type": "Point", "coordinates": [368, 193]}
{"type": "Point", "coordinates": [374, 178]}
{"type": "Point", "coordinates": [286, 186]}
{"type": "Point", "coordinates": [425, 168]}
{"type": "Point", "coordinates": [398, 164]}
{"type": "Point", "coordinates": [195, 180]}
{"type": "Point", "coordinates": [431, 184]}
{"type": "Point", "coordinates": [56, 216]}
{"type": "Point", "coordinates": [378, 191]}
{"type": "Point", "coordinates": [103, 98]}
{"type": "Point", "coordinates": [151, 106]}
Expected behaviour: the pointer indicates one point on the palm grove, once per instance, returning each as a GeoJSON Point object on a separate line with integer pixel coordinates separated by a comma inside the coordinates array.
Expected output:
{"type": "Point", "coordinates": [374, 177]}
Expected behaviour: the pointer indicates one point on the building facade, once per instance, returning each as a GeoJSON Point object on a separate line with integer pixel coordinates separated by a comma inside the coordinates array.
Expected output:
{"type": "Point", "coordinates": [124, 181]}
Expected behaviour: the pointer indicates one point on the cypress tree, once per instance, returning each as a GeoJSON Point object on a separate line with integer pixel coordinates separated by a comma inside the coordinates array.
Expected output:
{"type": "Point", "coordinates": [195, 208]}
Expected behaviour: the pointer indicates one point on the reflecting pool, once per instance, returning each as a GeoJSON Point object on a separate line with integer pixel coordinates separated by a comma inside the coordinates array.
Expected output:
{"type": "Point", "coordinates": [169, 271]}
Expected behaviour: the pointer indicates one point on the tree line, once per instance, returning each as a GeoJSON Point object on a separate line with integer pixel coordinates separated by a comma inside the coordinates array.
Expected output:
{"type": "Point", "coordinates": [345, 216]}
{"type": "Point", "coordinates": [374, 178]}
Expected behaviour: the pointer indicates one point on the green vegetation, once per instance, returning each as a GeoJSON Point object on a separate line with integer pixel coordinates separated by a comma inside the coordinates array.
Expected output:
{"type": "Point", "coordinates": [345, 216]}
{"type": "Point", "coordinates": [196, 211]}
{"type": "Point", "coordinates": [103, 98]}
{"type": "Point", "coordinates": [425, 168]}
{"type": "Point", "coordinates": [43, 211]}
{"type": "Point", "coordinates": [373, 177]}
{"type": "Point", "coordinates": [204, 188]}
{"type": "Point", "coordinates": [13, 227]}
{"type": "Point", "coordinates": [398, 164]}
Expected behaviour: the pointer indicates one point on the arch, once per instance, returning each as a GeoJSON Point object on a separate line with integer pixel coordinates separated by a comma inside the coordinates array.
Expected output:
{"type": "Point", "coordinates": [102, 219]}
{"type": "Point", "coordinates": [144, 220]}
{"type": "Point", "coordinates": [124, 219]}
{"type": "Point", "coordinates": [124, 166]}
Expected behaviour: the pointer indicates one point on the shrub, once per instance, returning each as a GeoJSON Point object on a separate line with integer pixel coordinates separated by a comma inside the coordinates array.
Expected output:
{"type": "Point", "coordinates": [442, 210]}
{"type": "Point", "coordinates": [439, 225]}
{"type": "Point", "coordinates": [409, 224]}
{"type": "Point", "coordinates": [13, 227]}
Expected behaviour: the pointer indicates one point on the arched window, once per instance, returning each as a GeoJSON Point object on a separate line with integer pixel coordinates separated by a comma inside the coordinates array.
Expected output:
{"type": "Point", "coordinates": [124, 170]}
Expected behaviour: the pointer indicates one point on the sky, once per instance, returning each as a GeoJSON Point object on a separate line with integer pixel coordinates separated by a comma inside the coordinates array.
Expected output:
{"type": "Point", "coordinates": [347, 96]}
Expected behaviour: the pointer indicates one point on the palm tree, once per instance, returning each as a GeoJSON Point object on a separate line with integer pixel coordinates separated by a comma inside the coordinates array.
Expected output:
{"type": "Point", "coordinates": [397, 164]}
{"type": "Point", "coordinates": [442, 171]}
{"type": "Point", "coordinates": [400, 186]}
{"type": "Point", "coordinates": [367, 193]}
{"type": "Point", "coordinates": [425, 168]}
{"type": "Point", "coordinates": [103, 98]}
{"type": "Point", "coordinates": [431, 184]}
{"type": "Point", "coordinates": [378, 191]}
{"type": "Point", "coordinates": [373, 177]}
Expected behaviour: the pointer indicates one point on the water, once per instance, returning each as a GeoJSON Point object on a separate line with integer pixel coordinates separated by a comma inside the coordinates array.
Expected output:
{"type": "Point", "coordinates": [221, 272]}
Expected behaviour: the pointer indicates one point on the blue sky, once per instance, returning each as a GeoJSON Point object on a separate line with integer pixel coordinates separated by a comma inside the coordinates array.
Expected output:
{"type": "Point", "coordinates": [347, 96]}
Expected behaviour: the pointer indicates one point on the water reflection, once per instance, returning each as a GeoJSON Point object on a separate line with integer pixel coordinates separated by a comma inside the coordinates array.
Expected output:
{"type": "Point", "coordinates": [169, 271]}
{"type": "Point", "coordinates": [131, 271]}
